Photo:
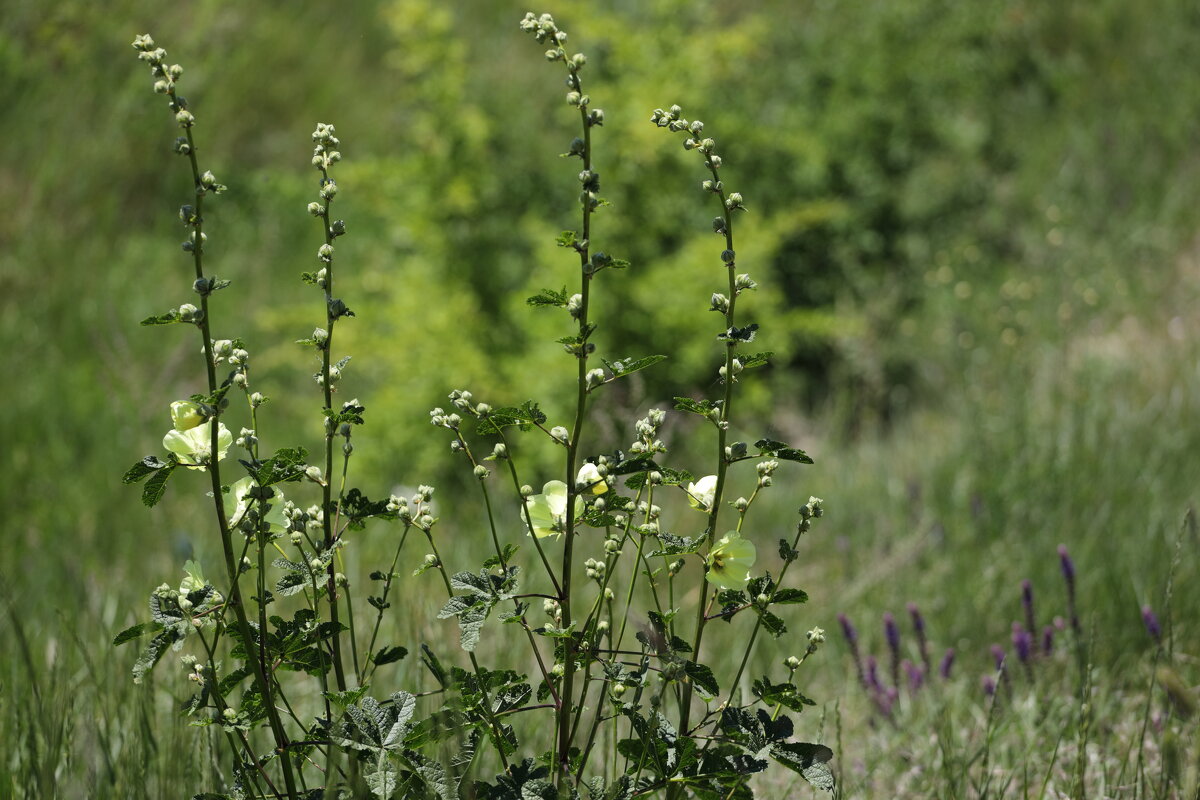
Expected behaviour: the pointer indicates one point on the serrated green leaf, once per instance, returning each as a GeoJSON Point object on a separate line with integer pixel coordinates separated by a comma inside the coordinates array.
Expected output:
{"type": "Point", "coordinates": [773, 624]}
{"type": "Point", "coordinates": [701, 407]}
{"type": "Point", "coordinates": [383, 780]}
{"type": "Point", "coordinates": [770, 447]}
{"type": "Point", "coordinates": [702, 676]}
{"type": "Point", "coordinates": [147, 466]}
{"type": "Point", "coordinates": [810, 760]}
{"type": "Point", "coordinates": [789, 596]}
{"type": "Point", "coordinates": [135, 632]}
{"type": "Point", "coordinates": [168, 318]}
{"type": "Point", "coordinates": [153, 652]}
{"type": "Point", "coordinates": [670, 477]}
{"type": "Point", "coordinates": [755, 359]}
{"type": "Point", "coordinates": [625, 366]}
{"type": "Point", "coordinates": [549, 297]}
{"type": "Point", "coordinates": [153, 491]}
{"type": "Point", "coordinates": [388, 655]}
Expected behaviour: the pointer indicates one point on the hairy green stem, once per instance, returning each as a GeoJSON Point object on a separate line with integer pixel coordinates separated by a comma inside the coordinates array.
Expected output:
{"type": "Point", "coordinates": [214, 471]}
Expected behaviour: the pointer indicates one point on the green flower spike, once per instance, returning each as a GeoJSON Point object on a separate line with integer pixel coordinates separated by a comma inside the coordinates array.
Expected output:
{"type": "Point", "coordinates": [192, 446]}
{"type": "Point", "coordinates": [548, 511]}
{"type": "Point", "coordinates": [700, 493]}
{"type": "Point", "coordinates": [730, 561]}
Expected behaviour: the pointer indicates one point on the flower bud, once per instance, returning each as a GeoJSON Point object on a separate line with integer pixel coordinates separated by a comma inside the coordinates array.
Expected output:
{"type": "Point", "coordinates": [315, 565]}
{"type": "Point", "coordinates": [719, 303]}
{"type": "Point", "coordinates": [741, 504]}
{"type": "Point", "coordinates": [526, 490]}
{"type": "Point", "coordinates": [573, 98]}
{"type": "Point", "coordinates": [187, 312]}
{"type": "Point", "coordinates": [296, 537]}
{"type": "Point", "coordinates": [618, 689]}
{"type": "Point", "coordinates": [500, 451]}
{"type": "Point", "coordinates": [481, 471]}
{"type": "Point", "coordinates": [792, 663]}
{"type": "Point", "coordinates": [316, 209]}
{"type": "Point", "coordinates": [313, 473]}
{"type": "Point", "coordinates": [560, 434]}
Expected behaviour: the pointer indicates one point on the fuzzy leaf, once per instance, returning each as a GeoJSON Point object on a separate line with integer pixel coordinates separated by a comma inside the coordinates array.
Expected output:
{"type": "Point", "coordinates": [789, 596]}
{"type": "Point", "coordinates": [701, 407]}
{"type": "Point", "coordinates": [388, 655]}
{"type": "Point", "coordinates": [810, 760]}
{"type": "Point", "coordinates": [526, 414]}
{"type": "Point", "coordinates": [549, 297]}
{"type": "Point", "coordinates": [755, 359]}
{"type": "Point", "coordinates": [770, 447]}
{"type": "Point", "coordinates": [168, 318]}
{"type": "Point", "coordinates": [702, 676]}
{"type": "Point", "coordinates": [623, 367]}
{"type": "Point", "coordinates": [153, 491]}
{"type": "Point", "coordinates": [147, 466]}
{"type": "Point", "coordinates": [135, 632]}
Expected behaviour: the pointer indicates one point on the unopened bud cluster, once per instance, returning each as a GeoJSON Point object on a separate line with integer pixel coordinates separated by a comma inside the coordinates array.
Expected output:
{"type": "Point", "coordinates": [647, 442]}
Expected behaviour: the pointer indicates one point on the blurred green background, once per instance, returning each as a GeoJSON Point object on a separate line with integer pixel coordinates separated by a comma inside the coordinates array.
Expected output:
{"type": "Point", "coordinates": [974, 226]}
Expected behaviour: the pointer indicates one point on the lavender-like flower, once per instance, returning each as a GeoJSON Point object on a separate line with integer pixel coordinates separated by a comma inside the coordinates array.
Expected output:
{"type": "Point", "coordinates": [916, 676]}
{"type": "Point", "coordinates": [1151, 622]}
{"type": "Point", "coordinates": [998, 656]}
{"type": "Point", "coordinates": [947, 664]}
{"type": "Point", "coordinates": [892, 634]}
{"type": "Point", "coordinates": [989, 685]}
{"type": "Point", "coordinates": [851, 635]}
{"type": "Point", "coordinates": [918, 623]}
{"type": "Point", "coordinates": [872, 681]}
{"type": "Point", "coordinates": [1047, 640]}
{"type": "Point", "coordinates": [1068, 571]}
{"type": "Point", "coordinates": [1027, 604]}
{"type": "Point", "coordinates": [1023, 645]}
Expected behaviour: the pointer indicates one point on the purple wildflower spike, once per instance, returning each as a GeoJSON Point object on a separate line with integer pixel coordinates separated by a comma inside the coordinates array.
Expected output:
{"type": "Point", "coordinates": [1023, 645]}
{"type": "Point", "coordinates": [998, 656]}
{"type": "Point", "coordinates": [892, 634]}
{"type": "Point", "coordinates": [947, 664]}
{"type": "Point", "coordinates": [989, 685]}
{"type": "Point", "coordinates": [1047, 640]}
{"type": "Point", "coordinates": [918, 623]}
{"type": "Point", "coordinates": [852, 640]}
{"type": "Point", "coordinates": [873, 675]}
{"type": "Point", "coordinates": [916, 676]}
{"type": "Point", "coordinates": [1151, 622]}
{"type": "Point", "coordinates": [1027, 604]}
{"type": "Point", "coordinates": [1068, 571]}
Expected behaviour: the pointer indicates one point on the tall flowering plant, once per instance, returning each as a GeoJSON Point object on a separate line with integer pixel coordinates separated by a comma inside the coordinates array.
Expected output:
{"type": "Point", "coordinates": [611, 695]}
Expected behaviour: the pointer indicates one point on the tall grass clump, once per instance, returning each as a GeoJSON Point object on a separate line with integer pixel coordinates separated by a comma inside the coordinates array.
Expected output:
{"type": "Point", "coordinates": [587, 664]}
